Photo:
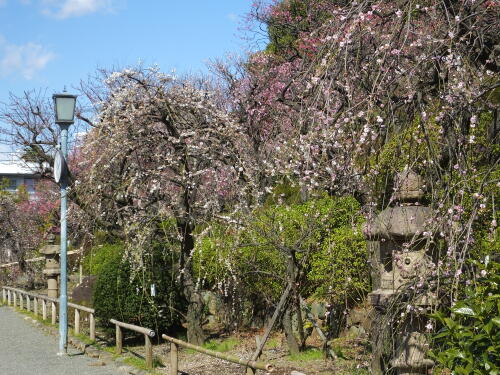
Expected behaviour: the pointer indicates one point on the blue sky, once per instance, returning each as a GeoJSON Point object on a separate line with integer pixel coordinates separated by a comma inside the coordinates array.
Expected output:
{"type": "Point", "coordinates": [52, 43]}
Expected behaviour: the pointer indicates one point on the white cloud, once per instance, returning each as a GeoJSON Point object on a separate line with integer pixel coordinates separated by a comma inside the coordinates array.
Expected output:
{"type": "Point", "coordinates": [25, 59]}
{"type": "Point", "coordinates": [75, 8]}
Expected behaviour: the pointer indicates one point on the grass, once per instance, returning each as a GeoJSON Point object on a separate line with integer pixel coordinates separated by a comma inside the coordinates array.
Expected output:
{"type": "Point", "coordinates": [220, 346]}
{"type": "Point", "coordinates": [311, 354]}
{"type": "Point", "coordinates": [141, 363]}
{"type": "Point", "coordinates": [356, 371]}
{"type": "Point", "coordinates": [273, 343]}
{"type": "Point", "coordinates": [83, 338]}
{"type": "Point", "coordinates": [46, 322]}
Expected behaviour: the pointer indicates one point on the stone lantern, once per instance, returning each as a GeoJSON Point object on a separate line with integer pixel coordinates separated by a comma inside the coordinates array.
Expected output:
{"type": "Point", "coordinates": [398, 249]}
{"type": "Point", "coordinates": [52, 268]}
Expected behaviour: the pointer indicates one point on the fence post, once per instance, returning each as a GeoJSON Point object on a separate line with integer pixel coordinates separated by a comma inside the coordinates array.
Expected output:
{"type": "Point", "coordinates": [4, 295]}
{"type": "Point", "coordinates": [21, 301]}
{"type": "Point", "coordinates": [77, 321]}
{"type": "Point", "coordinates": [35, 301]}
{"type": "Point", "coordinates": [9, 298]}
{"type": "Point", "coordinates": [92, 327]}
{"type": "Point", "coordinates": [174, 360]}
{"type": "Point", "coordinates": [28, 302]}
{"type": "Point", "coordinates": [54, 312]}
{"type": "Point", "coordinates": [119, 339]}
{"type": "Point", "coordinates": [44, 309]}
{"type": "Point", "coordinates": [149, 352]}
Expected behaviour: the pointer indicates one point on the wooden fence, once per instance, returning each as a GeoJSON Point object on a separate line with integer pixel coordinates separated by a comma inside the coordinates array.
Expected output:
{"type": "Point", "coordinates": [248, 363]}
{"type": "Point", "coordinates": [18, 297]}
{"type": "Point", "coordinates": [148, 333]}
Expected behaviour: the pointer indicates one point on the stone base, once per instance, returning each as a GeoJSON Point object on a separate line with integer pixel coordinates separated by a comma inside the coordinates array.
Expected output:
{"type": "Point", "coordinates": [380, 297]}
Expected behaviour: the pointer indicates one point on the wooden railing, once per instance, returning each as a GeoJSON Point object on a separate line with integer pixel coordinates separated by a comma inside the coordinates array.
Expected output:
{"type": "Point", "coordinates": [148, 333]}
{"type": "Point", "coordinates": [16, 297]}
{"type": "Point", "coordinates": [174, 362]}
{"type": "Point", "coordinates": [37, 259]}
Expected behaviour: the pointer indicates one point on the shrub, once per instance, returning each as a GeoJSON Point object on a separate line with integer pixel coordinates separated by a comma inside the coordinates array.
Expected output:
{"type": "Point", "coordinates": [98, 256]}
{"type": "Point", "coordinates": [125, 294]}
{"type": "Point", "coordinates": [469, 339]}
{"type": "Point", "coordinates": [339, 271]}
{"type": "Point", "coordinates": [250, 261]}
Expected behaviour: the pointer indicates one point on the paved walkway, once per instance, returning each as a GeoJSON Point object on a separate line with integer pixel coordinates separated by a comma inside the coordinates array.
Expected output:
{"type": "Point", "coordinates": [25, 350]}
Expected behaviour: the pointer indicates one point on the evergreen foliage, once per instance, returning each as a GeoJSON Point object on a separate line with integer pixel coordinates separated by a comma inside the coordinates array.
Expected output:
{"type": "Point", "coordinates": [122, 294]}
{"type": "Point", "coordinates": [468, 341]}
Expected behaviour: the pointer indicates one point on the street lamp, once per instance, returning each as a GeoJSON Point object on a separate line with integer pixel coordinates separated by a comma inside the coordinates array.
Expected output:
{"type": "Point", "coordinates": [64, 106]}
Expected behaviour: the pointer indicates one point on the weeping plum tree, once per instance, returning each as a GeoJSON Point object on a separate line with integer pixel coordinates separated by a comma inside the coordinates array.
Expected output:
{"type": "Point", "coordinates": [347, 93]}
{"type": "Point", "coordinates": [350, 92]}
{"type": "Point", "coordinates": [162, 149]}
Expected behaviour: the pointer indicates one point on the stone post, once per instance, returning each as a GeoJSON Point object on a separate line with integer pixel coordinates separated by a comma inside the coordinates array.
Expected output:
{"type": "Point", "coordinates": [52, 268]}
{"type": "Point", "coordinates": [398, 254]}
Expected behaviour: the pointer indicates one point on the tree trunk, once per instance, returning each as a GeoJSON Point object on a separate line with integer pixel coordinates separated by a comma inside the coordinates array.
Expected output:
{"type": "Point", "coordinates": [293, 345]}
{"type": "Point", "coordinates": [300, 323]}
{"type": "Point", "coordinates": [292, 273]}
{"type": "Point", "coordinates": [195, 334]}
{"type": "Point", "coordinates": [194, 318]}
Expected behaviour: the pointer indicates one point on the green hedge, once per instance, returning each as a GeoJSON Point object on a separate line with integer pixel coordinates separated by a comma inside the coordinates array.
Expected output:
{"type": "Point", "coordinates": [125, 295]}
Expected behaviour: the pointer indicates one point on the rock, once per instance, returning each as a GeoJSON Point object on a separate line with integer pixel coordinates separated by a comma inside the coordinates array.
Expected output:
{"type": "Point", "coordinates": [105, 356]}
{"type": "Point", "coordinates": [92, 353]}
{"type": "Point", "coordinates": [97, 363]}
{"type": "Point", "coordinates": [356, 331]}
{"type": "Point", "coordinates": [360, 316]}
{"type": "Point", "coordinates": [318, 309]}
{"type": "Point", "coordinates": [127, 369]}
{"type": "Point", "coordinates": [24, 281]}
{"type": "Point", "coordinates": [297, 373]}
{"type": "Point", "coordinates": [82, 294]}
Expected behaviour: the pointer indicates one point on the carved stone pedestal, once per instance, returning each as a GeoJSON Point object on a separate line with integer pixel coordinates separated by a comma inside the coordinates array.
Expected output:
{"type": "Point", "coordinates": [397, 246]}
{"type": "Point", "coordinates": [52, 267]}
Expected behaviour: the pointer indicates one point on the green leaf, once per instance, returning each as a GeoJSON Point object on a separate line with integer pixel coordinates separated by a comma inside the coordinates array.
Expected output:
{"type": "Point", "coordinates": [465, 310]}
{"type": "Point", "coordinates": [488, 327]}
{"type": "Point", "coordinates": [441, 334]}
{"type": "Point", "coordinates": [450, 323]}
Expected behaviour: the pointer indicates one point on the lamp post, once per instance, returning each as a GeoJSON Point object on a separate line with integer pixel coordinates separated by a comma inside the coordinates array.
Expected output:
{"type": "Point", "coordinates": [64, 106]}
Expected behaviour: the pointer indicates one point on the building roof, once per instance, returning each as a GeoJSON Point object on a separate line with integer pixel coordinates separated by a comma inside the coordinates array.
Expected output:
{"type": "Point", "coordinates": [11, 164]}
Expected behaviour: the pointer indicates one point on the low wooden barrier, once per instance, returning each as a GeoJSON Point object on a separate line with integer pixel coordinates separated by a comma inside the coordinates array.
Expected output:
{"type": "Point", "coordinates": [37, 259]}
{"type": "Point", "coordinates": [174, 363]}
{"type": "Point", "coordinates": [148, 333]}
{"type": "Point", "coordinates": [13, 295]}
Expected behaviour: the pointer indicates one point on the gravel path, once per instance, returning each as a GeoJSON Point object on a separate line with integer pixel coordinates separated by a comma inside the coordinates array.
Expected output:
{"type": "Point", "coordinates": [24, 350]}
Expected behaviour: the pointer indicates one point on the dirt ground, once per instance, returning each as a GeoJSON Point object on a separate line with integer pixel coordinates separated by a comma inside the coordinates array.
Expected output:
{"type": "Point", "coordinates": [352, 358]}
